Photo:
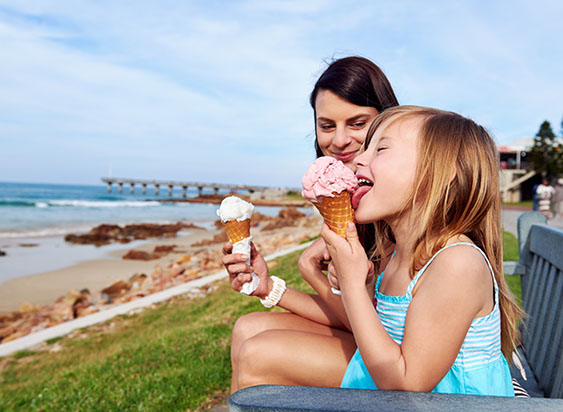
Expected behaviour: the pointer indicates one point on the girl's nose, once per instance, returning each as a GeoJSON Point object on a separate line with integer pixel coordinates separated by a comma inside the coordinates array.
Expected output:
{"type": "Point", "coordinates": [360, 160]}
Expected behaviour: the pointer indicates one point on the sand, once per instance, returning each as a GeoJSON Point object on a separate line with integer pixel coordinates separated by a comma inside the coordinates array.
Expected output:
{"type": "Point", "coordinates": [45, 287]}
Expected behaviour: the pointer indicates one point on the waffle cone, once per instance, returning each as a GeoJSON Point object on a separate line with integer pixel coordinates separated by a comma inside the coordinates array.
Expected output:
{"type": "Point", "coordinates": [237, 231]}
{"type": "Point", "coordinates": [336, 211]}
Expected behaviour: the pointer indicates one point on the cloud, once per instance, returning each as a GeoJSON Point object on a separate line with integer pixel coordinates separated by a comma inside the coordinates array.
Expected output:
{"type": "Point", "coordinates": [180, 89]}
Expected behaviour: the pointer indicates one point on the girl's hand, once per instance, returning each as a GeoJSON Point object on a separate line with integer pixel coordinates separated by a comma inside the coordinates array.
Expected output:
{"type": "Point", "coordinates": [312, 261]}
{"type": "Point", "coordinates": [333, 277]}
{"type": "Point", "coordinates": [349, 259]}
{"type": "Point", "coordinates": [240, 272]}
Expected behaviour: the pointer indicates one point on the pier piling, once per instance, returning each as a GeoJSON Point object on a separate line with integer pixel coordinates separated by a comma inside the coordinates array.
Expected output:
{"type": "Point", "coordinates": [184, 185]}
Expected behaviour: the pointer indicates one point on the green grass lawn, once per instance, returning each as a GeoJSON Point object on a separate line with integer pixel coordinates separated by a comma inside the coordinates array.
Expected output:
{"type": "Point", "coordinates": [528, 204]}
{"type": "Point", "coordinates": [173, 357]}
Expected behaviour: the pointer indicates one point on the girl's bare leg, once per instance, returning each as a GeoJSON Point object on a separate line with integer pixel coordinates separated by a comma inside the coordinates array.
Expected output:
{"type": "Point", "coordinates": [285, 348]}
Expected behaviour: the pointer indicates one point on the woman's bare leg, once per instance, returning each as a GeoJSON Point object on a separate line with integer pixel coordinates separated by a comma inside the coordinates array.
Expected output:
{"type": "Point", "coordinates": [296, 336]}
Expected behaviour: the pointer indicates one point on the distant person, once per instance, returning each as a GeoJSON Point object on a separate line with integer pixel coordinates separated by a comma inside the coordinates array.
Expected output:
{"type": "Point", "coordinates": [535, 197]}
{"type": "Point", "coordinates": [312, 344]}
{"type": "Point", "coordinates": [557, 199]}
{"type": "Point", "coordinates": [544, 193]}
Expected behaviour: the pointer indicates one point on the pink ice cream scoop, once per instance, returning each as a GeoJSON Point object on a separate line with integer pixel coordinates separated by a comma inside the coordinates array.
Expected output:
{"type": "Point", "coordinates": [326, 177]}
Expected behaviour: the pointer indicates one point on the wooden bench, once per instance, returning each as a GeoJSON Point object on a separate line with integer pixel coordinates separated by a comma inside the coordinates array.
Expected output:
{"type": "Point", "coordinates": [541, 264]}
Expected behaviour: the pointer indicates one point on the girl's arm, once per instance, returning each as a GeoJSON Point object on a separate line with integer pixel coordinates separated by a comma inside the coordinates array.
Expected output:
{"type": "Point", "coordinates": [311, 307]}
{"type": "Point", "coordinates": [455, 289]}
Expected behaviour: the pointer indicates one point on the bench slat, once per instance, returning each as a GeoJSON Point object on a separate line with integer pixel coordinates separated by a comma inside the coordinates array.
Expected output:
{"type": "Point", "coordinates": [543, 327]}
{"type": "Point", "coordinates": [526, 281]}
{"type": "Point", "coordinates": [538, 285]}
{"type": "Point", "coordinates": [551, 341]}
{"type": "Point", "coordinates": [557, 390]}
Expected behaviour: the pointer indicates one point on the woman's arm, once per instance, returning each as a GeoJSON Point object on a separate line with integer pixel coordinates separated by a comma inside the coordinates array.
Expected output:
{"type": "Point", "coordinates": [309, 306]}
{"type": "Point", "coordinates": [455, 289]}
{"type": "Point", "coordinates": [311, 265]}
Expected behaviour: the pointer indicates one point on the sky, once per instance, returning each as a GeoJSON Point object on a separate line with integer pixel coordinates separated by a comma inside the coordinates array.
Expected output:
{"type": "Point", "coordinates": [217, 91]}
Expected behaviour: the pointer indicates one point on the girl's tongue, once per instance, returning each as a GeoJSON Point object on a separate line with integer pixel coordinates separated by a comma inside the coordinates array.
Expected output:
{"type": "Point", "coordinates": [358, 194]}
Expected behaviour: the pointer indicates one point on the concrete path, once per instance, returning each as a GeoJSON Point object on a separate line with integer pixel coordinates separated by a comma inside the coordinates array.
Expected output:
{"type": "Point", "coordinates": [509, 219]}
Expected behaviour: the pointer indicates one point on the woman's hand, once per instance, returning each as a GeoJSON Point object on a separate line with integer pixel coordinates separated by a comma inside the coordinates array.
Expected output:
{"type": "Point", "coordinates": [350, 266]}
{"type": "Point", "coordinates": [240, 272]}
{"type": "Point", "coordinates": [312, 261]}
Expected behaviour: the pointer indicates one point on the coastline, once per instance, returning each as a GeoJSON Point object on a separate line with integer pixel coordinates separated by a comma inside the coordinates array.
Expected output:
{"type": "Point", "coordinates": [44, 287]}
{"type": "Point", "coordinates": [32, 303]}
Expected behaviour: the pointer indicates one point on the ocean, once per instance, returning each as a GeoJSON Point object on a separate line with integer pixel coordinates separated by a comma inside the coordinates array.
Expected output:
{"type": "Point", "coordinates": [39, 215]}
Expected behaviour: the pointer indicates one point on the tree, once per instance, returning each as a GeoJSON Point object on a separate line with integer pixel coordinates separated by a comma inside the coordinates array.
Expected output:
{"type": "Point", "coordinates": [547, 152]}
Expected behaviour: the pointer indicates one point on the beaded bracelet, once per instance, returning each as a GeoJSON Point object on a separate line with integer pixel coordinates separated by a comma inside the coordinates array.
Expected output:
{"type": "Point", "coordinates": [275, 294]}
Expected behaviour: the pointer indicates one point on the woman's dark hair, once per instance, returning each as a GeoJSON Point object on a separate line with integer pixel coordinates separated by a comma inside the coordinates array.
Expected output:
{"type": "Point", "coordinates": [358, 81]}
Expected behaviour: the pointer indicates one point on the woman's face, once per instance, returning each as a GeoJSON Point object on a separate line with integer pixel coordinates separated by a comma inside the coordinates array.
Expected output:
{"type": "Point", "coordinates": [341, 126]}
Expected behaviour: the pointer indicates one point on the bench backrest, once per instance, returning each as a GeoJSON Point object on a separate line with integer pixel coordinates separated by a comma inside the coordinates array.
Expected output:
{"type": "Point", "coordinates": [542, 299]}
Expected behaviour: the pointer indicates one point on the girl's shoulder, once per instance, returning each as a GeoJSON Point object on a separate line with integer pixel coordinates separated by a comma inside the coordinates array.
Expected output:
{"type": "Point", "coordinates": [460, 265]}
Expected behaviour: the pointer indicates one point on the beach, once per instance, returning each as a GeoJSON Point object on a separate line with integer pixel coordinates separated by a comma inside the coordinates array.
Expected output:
{"type": "Point", "coordinates": [43, 288]}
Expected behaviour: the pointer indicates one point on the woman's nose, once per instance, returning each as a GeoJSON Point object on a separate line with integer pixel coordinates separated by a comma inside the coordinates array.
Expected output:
{"type": "Point", "coordinates": [341, 138]}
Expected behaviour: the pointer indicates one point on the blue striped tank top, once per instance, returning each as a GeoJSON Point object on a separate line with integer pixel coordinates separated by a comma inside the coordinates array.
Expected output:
{"type": "Point", "coordinates": [480, 367]}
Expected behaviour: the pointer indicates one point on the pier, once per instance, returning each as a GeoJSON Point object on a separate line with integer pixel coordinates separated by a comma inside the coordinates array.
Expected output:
{"type": "Point", "coordinates": [170, 184]}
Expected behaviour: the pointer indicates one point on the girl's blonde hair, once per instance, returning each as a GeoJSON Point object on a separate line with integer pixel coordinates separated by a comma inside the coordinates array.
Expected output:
{"type": "Point", "coordinates": [456, 191]}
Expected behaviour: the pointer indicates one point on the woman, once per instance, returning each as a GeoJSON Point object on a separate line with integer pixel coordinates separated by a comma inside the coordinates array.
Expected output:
{"type": "Point", "coordinates": [312, 344]}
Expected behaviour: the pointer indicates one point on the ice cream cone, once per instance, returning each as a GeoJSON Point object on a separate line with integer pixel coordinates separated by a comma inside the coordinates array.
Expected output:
{"type": "Point", "coordinates": [237, 230]}
{"type": "Point", "coordinates": [336, 211]}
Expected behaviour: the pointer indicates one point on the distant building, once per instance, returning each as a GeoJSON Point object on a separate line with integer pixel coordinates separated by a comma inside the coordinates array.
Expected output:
{"type": "Point", "coordinates": [517, 178]}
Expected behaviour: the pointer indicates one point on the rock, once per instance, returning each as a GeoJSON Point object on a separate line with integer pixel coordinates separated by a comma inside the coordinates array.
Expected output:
{"type": "Point", "coordinates": [291, 213]}
{"type": "Point", "coordinates": [84, 311]}
{"type": "Point", "coordinates": [26, 307]}
{"type": "Point", "coordinates": [183, 259]}
{"type": "Point", "coordinates": [138, 255]}
{"type": "Point", "coordinates": [177, 269]}
{"type": "Point", "coordinates": [2, 253]}
{"type": "Point", "coordinates": [7, 331]}
{"type": "Point", "coordinates": [62, 312]}
{"type": "Point", "coordinates": [157, 253]}
{"type": "Point", "coordinates": [104, 234]}
{"type": "Point", "coordinates": [117, 289]}
{"type": "Point", "coordinates": [164, 249]}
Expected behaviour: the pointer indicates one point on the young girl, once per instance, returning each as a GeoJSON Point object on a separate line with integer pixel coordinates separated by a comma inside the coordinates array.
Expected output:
{"type": "Point", "coordinates": [444, 316]}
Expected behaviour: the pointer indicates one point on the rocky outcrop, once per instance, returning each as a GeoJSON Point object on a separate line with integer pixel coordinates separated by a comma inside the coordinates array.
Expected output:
{"type": "Point", "coordinates": [105, 234]}
{"type": "Point", "coordinates": [157, 253]}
